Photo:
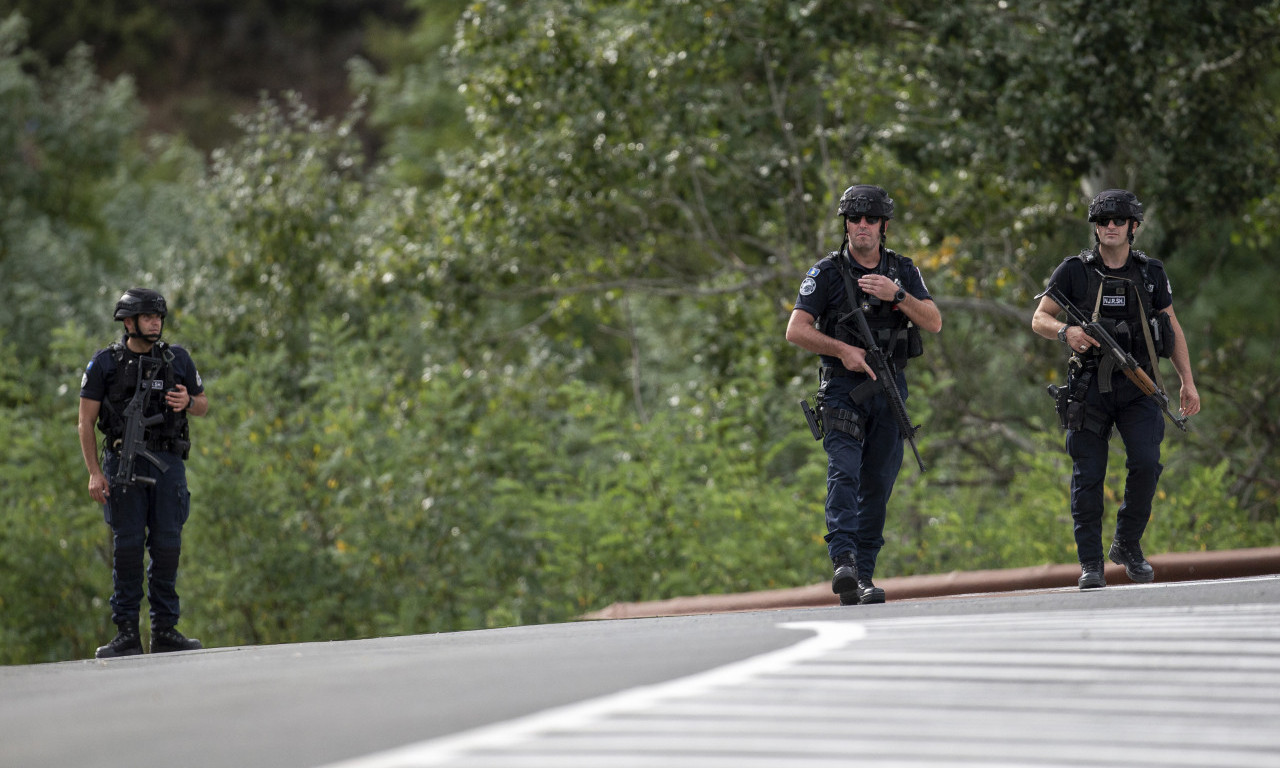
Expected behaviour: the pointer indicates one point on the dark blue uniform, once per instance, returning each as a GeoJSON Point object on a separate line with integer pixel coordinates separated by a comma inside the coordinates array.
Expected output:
{"type": "Point", "coordinates": [145, 517]}
{"type": "Point", "coordinates": [860, 472]}
{"type": "Point", "coordinates": [1116, 402]}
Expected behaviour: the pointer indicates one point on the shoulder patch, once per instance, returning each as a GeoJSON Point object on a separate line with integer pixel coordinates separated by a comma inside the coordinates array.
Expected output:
{"type": "Point", "coordinates": [813, 272]}
{"type": "Point", "coordinates": [808, 286]}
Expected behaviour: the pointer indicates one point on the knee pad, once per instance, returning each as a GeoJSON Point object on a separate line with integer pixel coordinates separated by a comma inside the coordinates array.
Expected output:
{"type": "Point", "coordinates": [126, 565]}
{"type": "Point", "coordinates": [164, 561]}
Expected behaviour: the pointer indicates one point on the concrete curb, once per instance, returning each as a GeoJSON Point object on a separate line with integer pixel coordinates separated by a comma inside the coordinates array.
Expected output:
{"type": "Point", "coordinates": [1173, 566]}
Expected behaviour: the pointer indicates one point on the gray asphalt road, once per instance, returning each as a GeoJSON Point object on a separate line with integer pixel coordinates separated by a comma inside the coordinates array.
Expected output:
{"type": "Point", "coordinates": [1161, 674]}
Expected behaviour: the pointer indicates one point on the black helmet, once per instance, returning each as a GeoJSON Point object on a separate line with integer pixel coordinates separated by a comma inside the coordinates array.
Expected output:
{"type": "Point", "coordinates": [865, 200]}
{"type": "Point", "coordinates": [140, 301]}
{"type": "Point", "coordinates": [1115, 203]}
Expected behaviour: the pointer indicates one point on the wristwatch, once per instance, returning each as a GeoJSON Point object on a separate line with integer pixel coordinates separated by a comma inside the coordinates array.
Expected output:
{"type": "Point", "coordinates": [1062, 333]}
{"type": "Point", "coordinates": [900, 296]}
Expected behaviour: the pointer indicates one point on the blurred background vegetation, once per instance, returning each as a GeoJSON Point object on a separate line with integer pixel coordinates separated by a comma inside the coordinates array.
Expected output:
{"type": "Point", "coordinates": [489, 297]}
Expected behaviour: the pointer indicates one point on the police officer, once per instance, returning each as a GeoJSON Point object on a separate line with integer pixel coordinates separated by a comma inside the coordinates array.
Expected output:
{"type": "Point", "coordinates": [149, 512]}
{"type": "Point", "coordinates": [1129, 294]}
{"type": "Point", "coordinates": [861, 436]}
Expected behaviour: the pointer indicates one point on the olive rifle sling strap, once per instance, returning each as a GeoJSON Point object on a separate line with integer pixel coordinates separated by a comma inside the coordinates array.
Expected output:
{"type": "Point", "coordinates": [1151, 346]}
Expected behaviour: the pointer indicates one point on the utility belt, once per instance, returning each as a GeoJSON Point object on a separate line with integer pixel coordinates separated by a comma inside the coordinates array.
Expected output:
{"type": "Point", "coordinates": [1103, 368]}
{"type": "Point", "coordinates": [830, 372]}
{"type": "Point", "coordinates": [174, 445]}
{"type": "Point", "coordinates": [899, 344]}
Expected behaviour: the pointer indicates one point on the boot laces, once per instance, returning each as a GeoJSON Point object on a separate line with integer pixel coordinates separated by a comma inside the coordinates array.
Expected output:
{"type": "Point", "coordinates": [1132, 551]}
{"type": "Point", "coordinates": [125, 637]}
{"type": "Point", "coordinates": [169, 635]}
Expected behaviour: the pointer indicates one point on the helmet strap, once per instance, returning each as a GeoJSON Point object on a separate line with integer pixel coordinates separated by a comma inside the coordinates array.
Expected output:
{"type": "Point", "coordinates": [150, 338]}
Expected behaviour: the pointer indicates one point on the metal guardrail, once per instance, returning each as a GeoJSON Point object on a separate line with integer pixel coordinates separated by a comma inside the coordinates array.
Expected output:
{"type": "Point", "coordinates": [1169, 567]}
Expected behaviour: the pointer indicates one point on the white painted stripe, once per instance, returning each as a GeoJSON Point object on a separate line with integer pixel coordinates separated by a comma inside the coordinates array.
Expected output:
{"type": "Point", "coordinates": [1145, 687]}
{"type": "Point", "coordinates": [828, 636]}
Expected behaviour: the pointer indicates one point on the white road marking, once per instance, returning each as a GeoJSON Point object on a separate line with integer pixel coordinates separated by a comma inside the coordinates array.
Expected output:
{"type": "Point", "coordinates": [828, 636]}
{"type": "Point", "coordinates": [1193, 686]}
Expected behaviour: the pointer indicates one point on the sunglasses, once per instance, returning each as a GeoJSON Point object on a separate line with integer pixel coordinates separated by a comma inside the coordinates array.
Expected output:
{"type": "Point", "coordinates": [1119, 222]}
{"type": "Point", "coordinates": [872, 220]}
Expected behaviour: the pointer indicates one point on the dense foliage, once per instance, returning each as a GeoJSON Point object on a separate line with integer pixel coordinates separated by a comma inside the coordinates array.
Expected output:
{"type": "Point", "coordinates": [527, 359]}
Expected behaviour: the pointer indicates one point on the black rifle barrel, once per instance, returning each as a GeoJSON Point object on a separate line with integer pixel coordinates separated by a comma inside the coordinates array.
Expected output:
{"type": "Point", "coordinates": [888, 382]}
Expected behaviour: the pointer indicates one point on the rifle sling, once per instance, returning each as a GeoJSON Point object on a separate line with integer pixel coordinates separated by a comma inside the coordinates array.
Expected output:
{"type": "Point", "coordinates": [1151, 346]}
{"type": "Point", "coordinates": [850, 292]}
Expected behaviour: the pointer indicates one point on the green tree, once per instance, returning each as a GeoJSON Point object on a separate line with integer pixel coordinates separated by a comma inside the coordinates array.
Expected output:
{"type": "Point", "coordinates": [418, 113]}
{"type": "Point", "coordinates": [67, 135]}
{"type": "Point", "coordinates": [689, 146]}
{"type": "Point", "coordinates": [278, 233]}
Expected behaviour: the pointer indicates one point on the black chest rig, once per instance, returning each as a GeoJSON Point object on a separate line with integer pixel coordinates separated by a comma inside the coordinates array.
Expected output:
{"type": "Point", "coordinates": [156, 371]}
{"type": "Point", "coordinates": [1122, 304]}
{"type": "Point", "coordinates": [894, 333]}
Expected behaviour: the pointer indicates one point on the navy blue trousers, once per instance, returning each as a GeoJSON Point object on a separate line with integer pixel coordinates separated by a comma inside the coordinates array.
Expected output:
{"type": "Point", "coordinates": [1140, 422]}
{"type": "Point", "coordinates": [147, 519]}
{"type": "Point", "coordinates": [861, 474]}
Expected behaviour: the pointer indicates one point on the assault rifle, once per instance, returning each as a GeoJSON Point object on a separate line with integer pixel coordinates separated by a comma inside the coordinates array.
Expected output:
{"type": "Point", "coordinates": [885, 379]}
{"type": "Point", "coordinates": [1122, 359]}
{"type": "Point", "coordinates": [133, 443]}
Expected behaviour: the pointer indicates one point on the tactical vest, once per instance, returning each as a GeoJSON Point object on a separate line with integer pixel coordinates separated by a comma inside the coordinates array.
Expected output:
{"type": "Point", "coordinates": [1109, 295]}
{"type": "Point", "coordinates": [894, 332]}
{"type": "Point", "coordinates": [173, 434]}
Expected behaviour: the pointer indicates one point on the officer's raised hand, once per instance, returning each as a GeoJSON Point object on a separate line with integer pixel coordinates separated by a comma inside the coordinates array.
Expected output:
{"type": "Point", "coordinates": [177, 398]}
{"type": "Point", "coordinates": [879, 286]}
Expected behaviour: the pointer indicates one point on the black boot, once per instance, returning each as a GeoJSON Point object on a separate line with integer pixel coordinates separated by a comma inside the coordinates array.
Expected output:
{"type": "Point", "coordinates": [1129, 554]}
{"type": "Point", "coordinates": [846, 575]}
{"type": "Point", "coordinates": [1091, 575]}
{"type": "Point", "coordinates": [166, 639]}
{"type": "Point", "coordinates": [868, 593]}
{"type": "Point", "coordinates": [127, 642]}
